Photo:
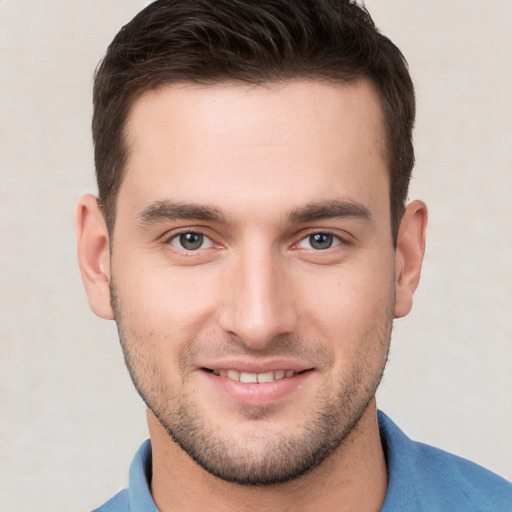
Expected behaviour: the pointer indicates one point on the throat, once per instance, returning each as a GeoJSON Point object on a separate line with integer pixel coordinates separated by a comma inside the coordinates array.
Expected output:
{"type": "Point", "coordinates": [355, 476]}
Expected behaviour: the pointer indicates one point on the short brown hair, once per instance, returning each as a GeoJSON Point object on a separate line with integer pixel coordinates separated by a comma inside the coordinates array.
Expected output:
{"type": "Point", "coordinates": [249, 41]}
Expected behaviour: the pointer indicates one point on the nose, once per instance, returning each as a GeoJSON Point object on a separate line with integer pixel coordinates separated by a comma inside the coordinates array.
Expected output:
{"type": "Point", "coordinates": [258, 302]}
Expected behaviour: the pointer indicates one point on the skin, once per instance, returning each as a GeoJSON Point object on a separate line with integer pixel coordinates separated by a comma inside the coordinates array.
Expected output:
{"type": "Point", "coordinates": [268, 167]}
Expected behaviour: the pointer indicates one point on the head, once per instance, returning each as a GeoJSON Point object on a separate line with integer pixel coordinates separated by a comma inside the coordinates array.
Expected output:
{"type": "Point", "coordinates": [250, 240]}
{"type": "Point", "coordinates": [249, 42]}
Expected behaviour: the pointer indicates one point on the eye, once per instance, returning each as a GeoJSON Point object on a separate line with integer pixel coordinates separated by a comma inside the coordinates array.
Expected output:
{"type": "Point", "coordinates": [191, 241]}
{"type": "Point", "coordinates": [319, 241]}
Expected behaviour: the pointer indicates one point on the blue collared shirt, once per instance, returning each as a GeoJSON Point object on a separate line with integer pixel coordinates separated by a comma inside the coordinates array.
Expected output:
{"type": "Point", "coordinates": [421, 479]}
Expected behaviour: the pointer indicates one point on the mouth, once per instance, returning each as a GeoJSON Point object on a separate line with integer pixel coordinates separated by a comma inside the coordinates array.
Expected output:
{"type": "Point", "coordinates": [254, 378]}
{"type": "Point", "coordinates": [248, 385]}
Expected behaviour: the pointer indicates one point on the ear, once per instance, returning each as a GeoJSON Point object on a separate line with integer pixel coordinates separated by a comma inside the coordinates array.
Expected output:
{"type": "Point", "coordinates": [409, 255]}
{"type": "Point", "coordinates": [93, 255]}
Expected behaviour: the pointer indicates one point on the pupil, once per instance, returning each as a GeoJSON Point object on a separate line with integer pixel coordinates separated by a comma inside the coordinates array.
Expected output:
{"type": "Point", "coordinates": [191, 241]}
{"type": "Point", "coordinates": [321, 241]}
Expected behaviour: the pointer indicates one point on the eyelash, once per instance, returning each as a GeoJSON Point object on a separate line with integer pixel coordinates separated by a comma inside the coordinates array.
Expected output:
{"type": "Point", "coordinates": [176, 235]}
{"type": "Point", "coordinates": [337, 240]}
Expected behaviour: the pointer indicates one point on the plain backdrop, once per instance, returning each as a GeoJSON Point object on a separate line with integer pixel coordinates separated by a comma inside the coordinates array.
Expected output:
{"type": "Point", "coordinates": [70, 420]}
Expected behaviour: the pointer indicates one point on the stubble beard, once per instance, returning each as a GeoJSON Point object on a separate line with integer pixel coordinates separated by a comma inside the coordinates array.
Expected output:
{"type": "Point", "coordinates": [258, 460]}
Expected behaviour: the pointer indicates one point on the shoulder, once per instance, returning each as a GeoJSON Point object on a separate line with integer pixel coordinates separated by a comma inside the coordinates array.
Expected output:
{"type": "Point", "coordinates": [462, 480]}
{"type": "Point", "coordinates": [137, 497]}
{"type": "Point", "coordinates": [435, 480]}
{"type": "Point", "coordinates": [119, 503]}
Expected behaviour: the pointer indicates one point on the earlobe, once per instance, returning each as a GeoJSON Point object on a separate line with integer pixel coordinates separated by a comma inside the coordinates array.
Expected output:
{"type": "Point", "coordinates": [93, 255]}
{"type": "Point", "coordinates": [409, 255]}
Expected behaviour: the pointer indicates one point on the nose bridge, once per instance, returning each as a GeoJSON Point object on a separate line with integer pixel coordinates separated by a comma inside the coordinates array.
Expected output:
{"type": "Point", "coordinates": [257, 305]}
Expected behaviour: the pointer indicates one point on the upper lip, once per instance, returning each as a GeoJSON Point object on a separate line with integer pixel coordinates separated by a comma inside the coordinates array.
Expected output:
{"type": "Point", "coordinates": [253, 366]}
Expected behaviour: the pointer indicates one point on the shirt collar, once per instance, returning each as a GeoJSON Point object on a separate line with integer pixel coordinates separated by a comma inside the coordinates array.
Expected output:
{"type": "Point", "coordinates": [398, 449]}
{"type": "Point", "coordinates": [140, 476]}
{"type": "Point", "coordinates": [401, 460]}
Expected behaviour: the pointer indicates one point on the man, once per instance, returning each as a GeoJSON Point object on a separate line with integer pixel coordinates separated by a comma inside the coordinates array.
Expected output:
{"type": "Point", "coordinates": [252, 242]}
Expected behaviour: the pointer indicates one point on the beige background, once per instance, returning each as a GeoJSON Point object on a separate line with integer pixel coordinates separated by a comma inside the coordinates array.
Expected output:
{"type": "Point", "coordinates": [70, 420]}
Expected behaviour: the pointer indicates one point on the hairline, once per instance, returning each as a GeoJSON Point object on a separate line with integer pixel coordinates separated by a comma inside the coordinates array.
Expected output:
{"type": "Point", "coordinates": [228, 82]}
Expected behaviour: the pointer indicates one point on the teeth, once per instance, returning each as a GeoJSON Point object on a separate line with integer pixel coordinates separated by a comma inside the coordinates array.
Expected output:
{"type": "Point", "coordinates": [266, 377]}
{"type": "Point", "coordinates": [233, 374]}
{"type": "Point", "coordinates": [248, 377]}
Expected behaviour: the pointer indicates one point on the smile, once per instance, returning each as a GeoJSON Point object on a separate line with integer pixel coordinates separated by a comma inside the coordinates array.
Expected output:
{"type": "Point", "coordinates": [251, 386]}
{"type": "Point", "coordinates": [248, 377]}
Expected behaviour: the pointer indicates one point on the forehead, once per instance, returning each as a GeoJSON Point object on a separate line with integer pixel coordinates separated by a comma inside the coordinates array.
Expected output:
{"type": "Point", "coordinates": [234, 145]}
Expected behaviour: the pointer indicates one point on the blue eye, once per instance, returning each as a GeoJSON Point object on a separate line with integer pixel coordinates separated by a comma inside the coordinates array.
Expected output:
{"type": "Point", "coordinates": [191, 241]}
{"type": "Point", "coordinates": [319, 241]}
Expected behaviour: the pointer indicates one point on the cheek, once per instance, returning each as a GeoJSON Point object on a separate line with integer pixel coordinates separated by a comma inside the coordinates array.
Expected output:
{"type": "Point", "coordinates": [349, 293]}
{"type": "Point", "coordinates": [351, 310]}
{"type": "Point", "coordinates": [164, 304]}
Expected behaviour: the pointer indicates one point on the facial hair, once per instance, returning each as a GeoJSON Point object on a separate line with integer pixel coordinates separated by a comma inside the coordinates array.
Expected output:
{"type": "Point", "coordinates": [260, 458]}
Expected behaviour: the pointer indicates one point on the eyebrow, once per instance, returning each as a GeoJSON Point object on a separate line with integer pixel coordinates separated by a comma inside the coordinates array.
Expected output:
{"type": "Point", "coordinates": [169, 210]}
{"type": "Point", "coordinates": [337, 208]}
{"type": "Point", "coordinates": [159, 211]}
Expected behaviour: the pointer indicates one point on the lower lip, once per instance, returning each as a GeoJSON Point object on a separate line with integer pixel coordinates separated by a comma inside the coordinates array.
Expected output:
{"type": "Point", "coordinates": [256, 394]}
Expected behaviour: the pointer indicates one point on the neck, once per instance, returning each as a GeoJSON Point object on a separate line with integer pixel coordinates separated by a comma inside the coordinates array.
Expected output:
{"type": "Point", "coordinates": [353, 478]}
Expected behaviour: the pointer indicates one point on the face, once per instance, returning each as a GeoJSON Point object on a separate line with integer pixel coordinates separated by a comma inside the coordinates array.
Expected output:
{"type": "Point", "coordinates": [252, 269]}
